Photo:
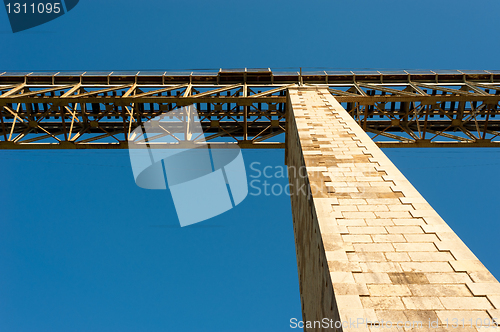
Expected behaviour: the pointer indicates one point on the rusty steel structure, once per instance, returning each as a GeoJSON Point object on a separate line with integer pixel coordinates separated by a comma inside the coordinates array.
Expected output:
{"type": "Point", "coordinates": [71, 110]}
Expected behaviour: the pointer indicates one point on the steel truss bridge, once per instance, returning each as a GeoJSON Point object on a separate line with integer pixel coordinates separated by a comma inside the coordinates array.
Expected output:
{"type": "Point", "coordinates": [246, 107]}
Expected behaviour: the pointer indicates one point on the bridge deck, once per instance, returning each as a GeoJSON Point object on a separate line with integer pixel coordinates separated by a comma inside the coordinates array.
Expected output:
{"type": "Point", "coordinates": [246, 107]}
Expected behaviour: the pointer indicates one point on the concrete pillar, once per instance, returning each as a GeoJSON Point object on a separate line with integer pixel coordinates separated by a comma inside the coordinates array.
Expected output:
{"type": "Point", "coordinates": [369, 247]}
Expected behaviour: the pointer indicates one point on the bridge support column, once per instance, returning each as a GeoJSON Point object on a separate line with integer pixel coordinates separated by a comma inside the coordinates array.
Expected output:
{"type": "Point", "coordinates": [369, 247]}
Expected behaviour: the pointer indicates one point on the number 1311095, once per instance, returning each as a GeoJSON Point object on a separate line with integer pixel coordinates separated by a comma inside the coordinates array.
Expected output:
{"type": "Point", "coordinates": [40, 8]}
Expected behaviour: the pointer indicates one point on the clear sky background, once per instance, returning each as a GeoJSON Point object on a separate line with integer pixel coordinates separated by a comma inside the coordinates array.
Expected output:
{"type": "Point", "coordinates": [84, 249]}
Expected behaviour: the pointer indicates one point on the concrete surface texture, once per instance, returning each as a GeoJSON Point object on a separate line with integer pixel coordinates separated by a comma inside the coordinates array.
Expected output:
{"type": "Point", "coordinates": [370, 250]}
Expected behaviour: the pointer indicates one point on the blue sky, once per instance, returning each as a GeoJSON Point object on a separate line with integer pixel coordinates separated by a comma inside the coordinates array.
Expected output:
{"type": "Point", "coordinates": [84, 249]}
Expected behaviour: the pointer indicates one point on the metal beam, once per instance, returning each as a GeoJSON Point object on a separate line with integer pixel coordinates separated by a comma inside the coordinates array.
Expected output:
{"type": "Point", "coordinates": [392, 106]}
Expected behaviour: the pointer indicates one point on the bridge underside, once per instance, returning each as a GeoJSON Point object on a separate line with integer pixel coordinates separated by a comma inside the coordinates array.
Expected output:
{"type": "Point", "coordinates": [246, 107]}
{"type": "Point", "coordinates": [369, 247]}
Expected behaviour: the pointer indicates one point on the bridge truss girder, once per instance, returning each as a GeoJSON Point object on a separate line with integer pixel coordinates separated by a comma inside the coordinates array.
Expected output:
{"type": "Point", "coordinates": [246, 107]}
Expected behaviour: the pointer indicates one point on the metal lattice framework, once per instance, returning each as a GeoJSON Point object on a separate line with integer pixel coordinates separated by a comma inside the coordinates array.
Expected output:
{"type": "Point", "coordinates": [247, 107]}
